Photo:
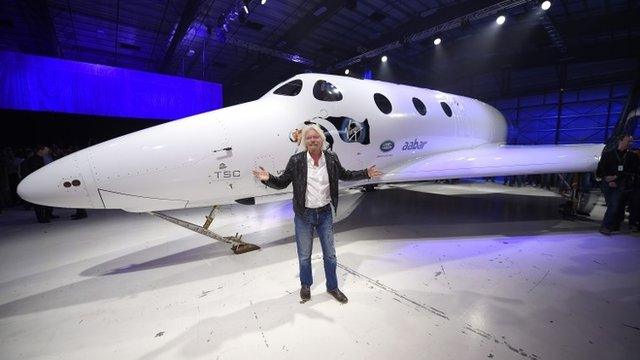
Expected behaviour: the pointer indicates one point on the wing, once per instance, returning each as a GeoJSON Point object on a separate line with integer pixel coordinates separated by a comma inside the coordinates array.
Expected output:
{"type": "Point", "coordinates": [494, 160]}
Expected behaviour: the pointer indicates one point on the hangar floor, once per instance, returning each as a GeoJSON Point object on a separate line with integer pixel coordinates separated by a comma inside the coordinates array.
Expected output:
{"type": "Point", "coordinates": [469, 271]}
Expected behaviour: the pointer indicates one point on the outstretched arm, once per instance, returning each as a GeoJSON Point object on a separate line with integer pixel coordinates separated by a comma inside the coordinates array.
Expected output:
{"type": "Point", "coordinates": [276, 182]}
{"type": "Point", "coordinates": [261, 174]}
{"type": "Point", "coordinates": [373, 172]}
{"type": "Point", "coordinates": [350, 175]}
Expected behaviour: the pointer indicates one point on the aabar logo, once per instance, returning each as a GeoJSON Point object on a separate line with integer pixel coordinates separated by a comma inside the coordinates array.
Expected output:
{"type": "Point", "coordinates": [414, 145]}
{"type": "Point", "coordinates": [387, 146]}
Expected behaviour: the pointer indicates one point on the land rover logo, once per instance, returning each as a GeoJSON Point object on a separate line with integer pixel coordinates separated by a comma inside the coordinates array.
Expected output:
{"type": "Point", "coordinates": [387, 146]}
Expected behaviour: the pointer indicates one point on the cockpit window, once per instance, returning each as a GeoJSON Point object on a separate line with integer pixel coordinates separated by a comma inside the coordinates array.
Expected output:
{"type": "Point", "coordinates": [420, 106]}
{"type": "Point", "coordinates": [326, 91]}
{"type": "Point", "coordinates": [382, 102]}
{"type": "Point", "coordinates": [292, 88]}
{"type": "Point", "coordinates": [446, 108]}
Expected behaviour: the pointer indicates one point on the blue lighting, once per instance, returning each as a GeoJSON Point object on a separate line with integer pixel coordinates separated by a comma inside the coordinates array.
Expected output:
{"type": "Point", "coordinates": [38, 83]}
{"type": "Point", "coordinates": [296, 58]}
{"type": "Point", "coordinates": [582, 115]}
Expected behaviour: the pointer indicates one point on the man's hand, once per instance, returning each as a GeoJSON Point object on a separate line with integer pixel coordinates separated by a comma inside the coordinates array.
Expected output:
{"type": "Point", "coordinates": [373, 172]}
{"type": "Point", "coordinates": [262, 174]}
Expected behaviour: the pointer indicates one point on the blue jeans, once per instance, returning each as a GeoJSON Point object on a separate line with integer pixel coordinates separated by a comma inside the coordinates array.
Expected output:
{"type": "Point", "coordinates": [614, 215]}
{"type": "Point", "coordinates": [320, 220]}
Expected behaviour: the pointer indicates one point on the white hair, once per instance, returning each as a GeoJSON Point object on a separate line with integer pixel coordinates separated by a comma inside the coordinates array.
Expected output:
{"type": "Point", "coordinates": [303, 136]}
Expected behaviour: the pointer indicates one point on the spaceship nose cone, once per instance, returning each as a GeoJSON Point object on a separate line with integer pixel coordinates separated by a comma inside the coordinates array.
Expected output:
{"type": "Point", "coordinates": [28, 189]}
{"type": "Point", "coordinates": [59, 184]}
{"type": "Point", "coordinates": [42, 187]}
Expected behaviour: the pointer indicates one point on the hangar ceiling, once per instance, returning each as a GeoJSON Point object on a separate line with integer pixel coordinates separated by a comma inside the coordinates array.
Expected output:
{"type": "Point", "coordinates": [216, 40]}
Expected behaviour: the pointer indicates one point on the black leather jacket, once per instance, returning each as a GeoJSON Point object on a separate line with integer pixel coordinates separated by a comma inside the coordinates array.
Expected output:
{"type": "Point", "coordinates": [627, 178]}
{"type": "Point", "coordinates": [296, 172]}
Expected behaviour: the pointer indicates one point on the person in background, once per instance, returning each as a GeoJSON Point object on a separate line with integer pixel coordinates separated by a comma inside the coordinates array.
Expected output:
{"type": "Point", "coordinates": [614, 167]}
{"type": "Point", "coordinates": [44, 214]}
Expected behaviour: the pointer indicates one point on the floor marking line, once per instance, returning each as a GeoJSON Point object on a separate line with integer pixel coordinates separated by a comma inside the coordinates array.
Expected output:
{"type": "Point", "coordinates": [430, 309]}
{"type": "Point", "coordinates": [539, 281]}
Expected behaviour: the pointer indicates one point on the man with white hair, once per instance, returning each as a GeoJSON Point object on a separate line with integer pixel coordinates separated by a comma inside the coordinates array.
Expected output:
{"type": "Point", "coordinates": [315, 173]}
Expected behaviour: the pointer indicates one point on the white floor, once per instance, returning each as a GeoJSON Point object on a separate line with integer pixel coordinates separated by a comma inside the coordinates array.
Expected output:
{"type": "Point", "coordinates": [469, 271]}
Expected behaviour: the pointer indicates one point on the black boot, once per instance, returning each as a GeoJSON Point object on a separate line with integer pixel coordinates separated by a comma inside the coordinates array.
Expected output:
{"type": "Point", "coordinates": [305, 293]}
{"type": "Point", "coordinates": [342, 298]}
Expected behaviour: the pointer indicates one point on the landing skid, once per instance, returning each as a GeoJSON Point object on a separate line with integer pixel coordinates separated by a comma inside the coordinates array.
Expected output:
{"type": "Point", "coordinates": [237, 245]}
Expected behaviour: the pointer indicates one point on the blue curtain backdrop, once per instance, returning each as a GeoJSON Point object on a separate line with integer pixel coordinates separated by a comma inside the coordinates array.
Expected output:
{"type": "Point", "coordinates": [581, 115]}
{"type": "Point", "coordinates": [38, 83]}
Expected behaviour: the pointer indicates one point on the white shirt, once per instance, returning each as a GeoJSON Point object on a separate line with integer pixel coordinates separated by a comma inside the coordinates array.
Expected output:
{"type": "Point", "coordinates": [317, 183]}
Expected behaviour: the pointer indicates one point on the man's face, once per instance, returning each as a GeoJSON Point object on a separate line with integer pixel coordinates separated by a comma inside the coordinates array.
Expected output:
{"type": "Point", "coordinates": [625, 142]}
{"type": "Point", "coordinates": [313, 141]}
{"type": "Point", "coordinates": [44, 151]}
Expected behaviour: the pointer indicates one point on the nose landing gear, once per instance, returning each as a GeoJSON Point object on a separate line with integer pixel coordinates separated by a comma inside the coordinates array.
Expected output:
{"type": "Point", "coordinates": [237, 245]}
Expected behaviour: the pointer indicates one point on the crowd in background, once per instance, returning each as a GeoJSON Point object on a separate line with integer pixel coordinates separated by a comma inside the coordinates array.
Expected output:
{"type": "Point", "coordinates": [18, 163]}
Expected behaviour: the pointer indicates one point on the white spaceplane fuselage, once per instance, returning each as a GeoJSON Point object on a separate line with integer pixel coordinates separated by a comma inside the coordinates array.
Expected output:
{"type": "Point", "coordinates": [415, 134]}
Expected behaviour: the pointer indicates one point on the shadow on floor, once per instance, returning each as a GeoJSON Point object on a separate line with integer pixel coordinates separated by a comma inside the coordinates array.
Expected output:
{"type": "Point", "coordinates": [382, 215]}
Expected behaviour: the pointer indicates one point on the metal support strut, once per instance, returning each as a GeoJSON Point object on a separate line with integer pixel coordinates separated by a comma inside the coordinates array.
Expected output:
{"type": "Point", "coordinates": [209, 219]}
{"type": "Point", "coordinates": [237, 245]}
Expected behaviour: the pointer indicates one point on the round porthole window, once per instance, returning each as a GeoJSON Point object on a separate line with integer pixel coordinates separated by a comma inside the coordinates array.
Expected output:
{"type": "Point", "coordinates": [446, 108]}
{"type": "Point", "coordinates": [326, 91]}
{"type": "Point", "coordinates": [382, 102]}
{"type": "Point", "coordinates": [419, 105]}
{"type": "Point", "coordinates": [292, 88]}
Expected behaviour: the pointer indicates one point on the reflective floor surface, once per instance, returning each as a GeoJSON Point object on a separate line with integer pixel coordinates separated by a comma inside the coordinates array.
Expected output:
{"type": "Point", "coordinates": [432, 271]}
